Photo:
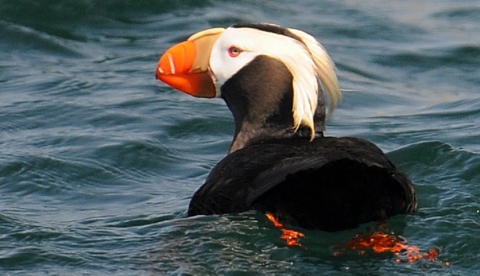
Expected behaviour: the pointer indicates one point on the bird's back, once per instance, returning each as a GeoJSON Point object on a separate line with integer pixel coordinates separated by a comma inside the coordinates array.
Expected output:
{"type": "Point", "coordinates": [328, 183]}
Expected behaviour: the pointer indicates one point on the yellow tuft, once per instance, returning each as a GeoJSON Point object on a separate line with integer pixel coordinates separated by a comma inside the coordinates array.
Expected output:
{"type": "Point", "coordinates": [325, 68]}
{"type": "Point", "coordinates": [324, 71]}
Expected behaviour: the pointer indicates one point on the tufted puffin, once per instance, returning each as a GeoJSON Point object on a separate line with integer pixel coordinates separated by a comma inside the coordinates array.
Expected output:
{"type": "Point", "coordinates": [273, 80]}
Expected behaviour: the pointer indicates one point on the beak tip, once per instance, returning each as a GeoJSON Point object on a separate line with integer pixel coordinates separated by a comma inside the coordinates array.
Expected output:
{"type": "Point", "coordinates": [160, 72]}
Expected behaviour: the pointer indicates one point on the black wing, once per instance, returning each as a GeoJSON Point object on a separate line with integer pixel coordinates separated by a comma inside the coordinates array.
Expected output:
{"type": "Point", "coordinates": [329, 183]}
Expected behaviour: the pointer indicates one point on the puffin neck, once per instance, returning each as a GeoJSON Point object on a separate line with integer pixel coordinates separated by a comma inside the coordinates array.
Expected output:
{"type": "Point", "coordinates": [260, 97]}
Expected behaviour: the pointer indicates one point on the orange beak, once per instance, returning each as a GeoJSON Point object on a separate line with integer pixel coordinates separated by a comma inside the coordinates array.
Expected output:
{"type": "Point", "coordinates": [185, 65]}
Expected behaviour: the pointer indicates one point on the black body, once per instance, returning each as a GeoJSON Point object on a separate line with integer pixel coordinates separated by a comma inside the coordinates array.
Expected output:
{"type": "Point", "coordinates": [326, 183]}
{"type": "Point", "coordinates": [329, 184]}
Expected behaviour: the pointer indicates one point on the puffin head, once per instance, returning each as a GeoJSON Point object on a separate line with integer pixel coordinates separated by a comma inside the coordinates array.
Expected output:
{"type": "Point", "coordinates": [271, 77]}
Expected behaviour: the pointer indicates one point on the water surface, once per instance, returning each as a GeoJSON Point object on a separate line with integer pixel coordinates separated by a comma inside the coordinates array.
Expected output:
{"type": "Point", "coordinates": [99, 161]}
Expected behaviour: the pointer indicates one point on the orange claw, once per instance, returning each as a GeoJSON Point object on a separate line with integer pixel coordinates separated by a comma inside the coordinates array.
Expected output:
{"type": "Point", "coordinates": [289, 235]}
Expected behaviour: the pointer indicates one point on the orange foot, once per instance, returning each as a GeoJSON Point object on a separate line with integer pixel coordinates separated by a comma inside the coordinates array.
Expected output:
{"type": "Point", "coordinates": [380, 242]}
{"type": "Point", "coordinates": [289, 235]}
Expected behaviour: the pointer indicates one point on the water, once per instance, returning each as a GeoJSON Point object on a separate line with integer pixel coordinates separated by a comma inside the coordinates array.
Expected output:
{"type": "Point", "coordinates": [99, 161]}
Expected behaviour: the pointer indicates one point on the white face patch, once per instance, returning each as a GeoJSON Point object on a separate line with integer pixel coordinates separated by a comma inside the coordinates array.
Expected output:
{"type": "Point", "coordinates": [296, 56]}
{"type": "Point", "coordinates": [253, 43]}
{"type": "Point", "coordinates": [222, 64]}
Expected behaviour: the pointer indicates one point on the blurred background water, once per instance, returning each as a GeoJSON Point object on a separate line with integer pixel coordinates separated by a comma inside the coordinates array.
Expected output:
{"type": "Point", "coordinates": [98, 160]}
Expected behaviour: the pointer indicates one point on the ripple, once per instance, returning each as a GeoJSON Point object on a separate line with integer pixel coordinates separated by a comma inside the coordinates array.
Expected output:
{"type": "Point", "coordinates": [459, 56]}
{"type": "Point", "coordinates": [456, 13]}
{"type": "Point", "coordinates": [137, 156]}
{"type": "Point", "coordinates": [47, 175]}
{"type": "Point", "coordinates": [33, 256]}
{"type": "Point", "coordinates": [32, 13]}
{"type": "Point", "coordinates": [26, 38]}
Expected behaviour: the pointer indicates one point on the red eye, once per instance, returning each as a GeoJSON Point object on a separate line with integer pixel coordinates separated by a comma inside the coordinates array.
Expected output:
{"type": "Point", "coordinates": [234, 51]}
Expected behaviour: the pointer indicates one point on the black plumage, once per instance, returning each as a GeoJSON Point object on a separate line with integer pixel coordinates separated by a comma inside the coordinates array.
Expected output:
{"type": "Point", "coordinates": [328, 183]}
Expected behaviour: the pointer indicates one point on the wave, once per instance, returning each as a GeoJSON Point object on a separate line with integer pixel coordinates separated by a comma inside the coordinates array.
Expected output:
{"type": "Point", "coordinates": [442, 173]}
{"type": "Point", "coordinates": [431, 58]}
{"type": "Point", "coordinates": [459, 13]}
{"type": "Point", "coordinates": [53, 12]}
{"type": "Point", "coordinates": [25, 38]}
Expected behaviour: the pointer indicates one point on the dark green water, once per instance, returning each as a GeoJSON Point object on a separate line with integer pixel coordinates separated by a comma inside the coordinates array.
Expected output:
{"type": "Point", "coordinates": [98, 161]}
